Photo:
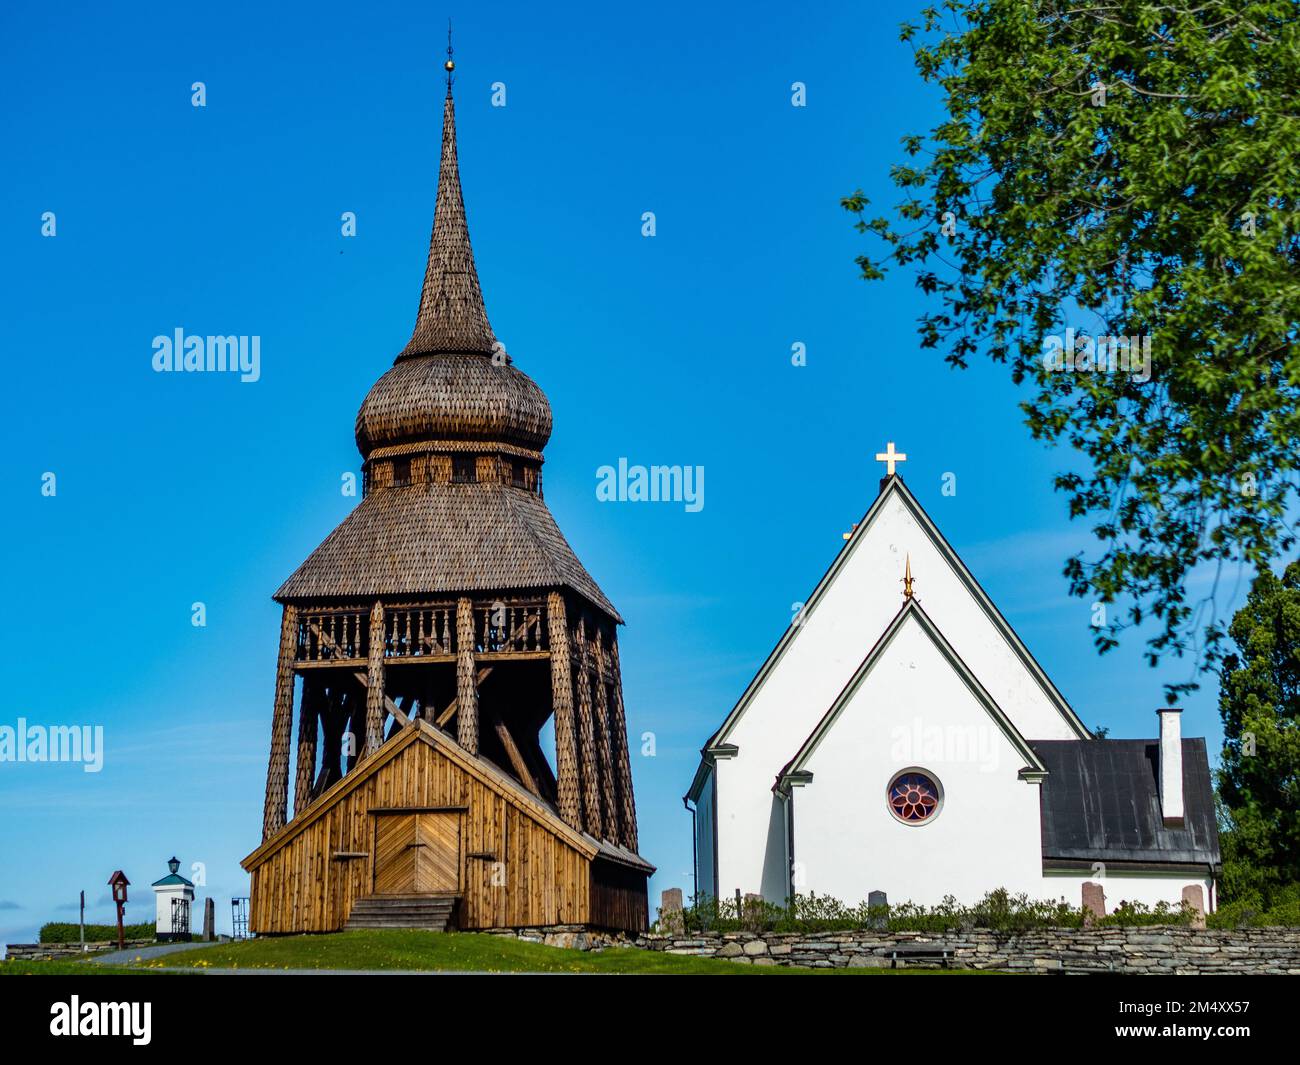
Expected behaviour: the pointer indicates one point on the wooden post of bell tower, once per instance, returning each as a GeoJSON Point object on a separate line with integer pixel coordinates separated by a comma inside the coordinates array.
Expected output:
{"type": "Point", "coordinates": [375, 681]}
{"type": "Point", "coordinates": [275, 809]}
{"type": "Point", "coordinates": [607, 774]}
{"type": "Point", "coordinates": [621, 755]}
{"type": "Point", "coordinates": [309, 709]}
{"type": "Point", "coordinates": [566, 740]}
{"type": "Point", "coordinates": [466, 679]}
{"type": "Point", "coordinates": [593, 812]}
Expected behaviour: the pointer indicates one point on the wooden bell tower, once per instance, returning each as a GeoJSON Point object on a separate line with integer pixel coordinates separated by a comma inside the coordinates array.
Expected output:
{"type": "Point", "coordinates": [448, 609]}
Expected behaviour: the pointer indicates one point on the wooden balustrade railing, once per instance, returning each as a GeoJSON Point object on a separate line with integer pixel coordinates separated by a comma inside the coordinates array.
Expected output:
{"type": "Point", "coordinates": [413, 632]}
{"type": "Point", "coordinates": [331, 635]}
{"type": "Point", "coordinates": [501, 627]}
{"type": "Point", "coordinates": [510, 626]}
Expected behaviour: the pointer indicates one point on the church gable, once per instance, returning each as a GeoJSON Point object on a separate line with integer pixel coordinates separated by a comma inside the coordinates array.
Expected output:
{"type": "Point", "coordinates": [914, 782]}
{"type": "Point", "coordinates": [853, 604]}
{"type": "Point", "coordinates": [916, 701]}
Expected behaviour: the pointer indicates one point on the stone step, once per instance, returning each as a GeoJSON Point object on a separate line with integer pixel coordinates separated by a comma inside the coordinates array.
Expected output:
{"type": "Point", "coordinates": [402, 915]}
{"type": "Point", "coordinates": [372, 903]}
{"type": "Point", "coordinates": [403, 911]}
{"type": "Point", "coordinates": [395, 922]}
{"type": "Point", "coordinates": [391, 911]}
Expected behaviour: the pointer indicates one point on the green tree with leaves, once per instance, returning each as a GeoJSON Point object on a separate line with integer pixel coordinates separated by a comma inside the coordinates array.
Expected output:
{"type": "Point", "coordinates": [1123, 169]}
{"type": "Point", "coordinates": [1259, 701]}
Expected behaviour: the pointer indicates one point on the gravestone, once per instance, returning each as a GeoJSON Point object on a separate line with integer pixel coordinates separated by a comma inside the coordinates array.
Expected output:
{"type": "Point", "coordinates": [671, 919]}
{"type": "Point", "coordinates": [1094, 903]}
{"type": "Point", "coordinates": [1194, 896]}
{"type": "Point", "coordinates": [209, 919]}
{"type": "Point", "coordinates": [878, 901]}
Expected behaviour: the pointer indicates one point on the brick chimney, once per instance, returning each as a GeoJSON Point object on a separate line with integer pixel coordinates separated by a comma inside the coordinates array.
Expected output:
{"type": "Point", "coordinates": [1170, 764]}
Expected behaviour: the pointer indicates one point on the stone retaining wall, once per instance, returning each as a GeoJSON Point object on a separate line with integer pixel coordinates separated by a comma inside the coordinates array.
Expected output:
{"type": "Point", "coordinates": [1156, 949]}
{"type": "Point", "coordinates": [570, 936]}
{"type": "Point", "coordinates": [49, 951]}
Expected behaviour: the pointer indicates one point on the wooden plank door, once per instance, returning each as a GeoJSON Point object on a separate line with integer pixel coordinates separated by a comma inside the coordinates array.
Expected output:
{"type": "Point", "coordinates": [395, 853]}
{"type": "Point", "coordinates": [437, 852]}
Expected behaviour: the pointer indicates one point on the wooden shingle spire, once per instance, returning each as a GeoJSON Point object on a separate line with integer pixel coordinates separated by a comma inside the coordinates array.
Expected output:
{"type": "Point", "coordinates": [451, 318]}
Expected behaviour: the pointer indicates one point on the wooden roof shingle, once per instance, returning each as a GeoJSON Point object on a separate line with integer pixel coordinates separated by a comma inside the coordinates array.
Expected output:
{"type": "Point", "coordinates": [453, 397]}
{"type": "Point", "coordinates": [451, 317]}
{"type": "Point", "coordinates": [425, 539]}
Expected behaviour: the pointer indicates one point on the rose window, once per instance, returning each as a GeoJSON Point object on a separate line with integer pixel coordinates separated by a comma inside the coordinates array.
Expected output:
{"type": "Point", "coordinates": [914, 797]}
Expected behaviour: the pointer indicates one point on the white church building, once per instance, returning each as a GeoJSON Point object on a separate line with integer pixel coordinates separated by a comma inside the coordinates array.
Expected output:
{"type": "Point", "coordinates": [901, 738]}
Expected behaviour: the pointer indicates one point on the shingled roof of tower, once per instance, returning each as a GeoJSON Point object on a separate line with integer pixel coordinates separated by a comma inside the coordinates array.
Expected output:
{"type": "Point", "coordinates": [423, 538]}
{"type": "Point", "coordinates": [451, 317]}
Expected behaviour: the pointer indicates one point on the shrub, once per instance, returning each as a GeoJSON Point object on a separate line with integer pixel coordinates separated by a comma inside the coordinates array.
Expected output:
{"type": "Point", "coordinates": [998, 911]}
{"type": "Point", "coordinates": [63, 932]}
{"type": "Point", "coordinates": [1129, 914]}
{"type": "Point", "coordinates": [1278, 906]}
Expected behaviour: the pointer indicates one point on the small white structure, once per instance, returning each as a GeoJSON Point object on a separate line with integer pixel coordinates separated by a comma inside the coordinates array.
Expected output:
{"type": "Point", "coordinates": [175, 899]}
{"type": "Point", "coordinates": [920, 750]}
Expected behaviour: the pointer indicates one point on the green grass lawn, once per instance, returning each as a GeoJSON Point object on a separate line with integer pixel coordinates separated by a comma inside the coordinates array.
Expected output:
{"type": "Point", "coordinates": [67, 968]}
{"type": "Point", "coordinates": [460, 952]}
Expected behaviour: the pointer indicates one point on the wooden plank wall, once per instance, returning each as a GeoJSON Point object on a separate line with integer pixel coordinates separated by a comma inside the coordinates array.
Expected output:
{"type": "Point", "coordinates": [618, 897]}
{"type": "Point", "coordinates": [302, 888]}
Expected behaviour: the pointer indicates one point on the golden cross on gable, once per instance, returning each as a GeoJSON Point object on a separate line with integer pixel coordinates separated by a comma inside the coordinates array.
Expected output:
{"type": "Point", "coordinates": [890, 458]}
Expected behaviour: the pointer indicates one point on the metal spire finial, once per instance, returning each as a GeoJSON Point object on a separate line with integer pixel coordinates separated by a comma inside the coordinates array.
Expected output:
{"type": "Point", "coordinates": [908, 579]}
{"type": "Point", "coordinates": [451, 317]}
{"type": "Point", "coordinates": [450, 65]}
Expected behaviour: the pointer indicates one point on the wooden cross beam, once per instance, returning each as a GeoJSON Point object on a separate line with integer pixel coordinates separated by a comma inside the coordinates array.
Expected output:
{"type": "Point", "coordinates": [333, 721]}
{"type": "Point", "coordinates": [391, 730]}
{"type": "Point", "coordinates": [447, 714]}
{"type": "Point", "coordinates": [542, 772]}
{"type": "Point", "coordinates": [512, 752]}
{"type": "Point", "coordinates": [389, 705]}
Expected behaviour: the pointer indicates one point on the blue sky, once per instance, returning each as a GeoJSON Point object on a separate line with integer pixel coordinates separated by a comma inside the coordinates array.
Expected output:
{"type": "Point", "coordinates": [175, 488]}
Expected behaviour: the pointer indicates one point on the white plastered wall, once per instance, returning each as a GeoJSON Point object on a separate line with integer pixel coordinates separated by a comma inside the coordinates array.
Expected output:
{"type": "Point", "coordinates": [913, 710]}
{"type": "Point", "coordinates": [828, 646]}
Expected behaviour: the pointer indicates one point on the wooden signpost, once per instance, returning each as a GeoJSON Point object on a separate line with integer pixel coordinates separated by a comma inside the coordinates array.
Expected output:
{"type": "Point", "coordinates": [118, 882]}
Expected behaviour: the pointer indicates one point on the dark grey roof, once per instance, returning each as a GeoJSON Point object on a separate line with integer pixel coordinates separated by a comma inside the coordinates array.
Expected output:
{"type": "Point", "coordinates": [617, 853]}
{"type": "Point", "coordinates": [424, 539]}
{"type": "Point", "coordinates": [1101, 802]}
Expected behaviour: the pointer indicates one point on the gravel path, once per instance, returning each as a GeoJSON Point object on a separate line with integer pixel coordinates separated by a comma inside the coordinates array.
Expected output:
{"type": "Point", "coordinates": [123, 957]}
